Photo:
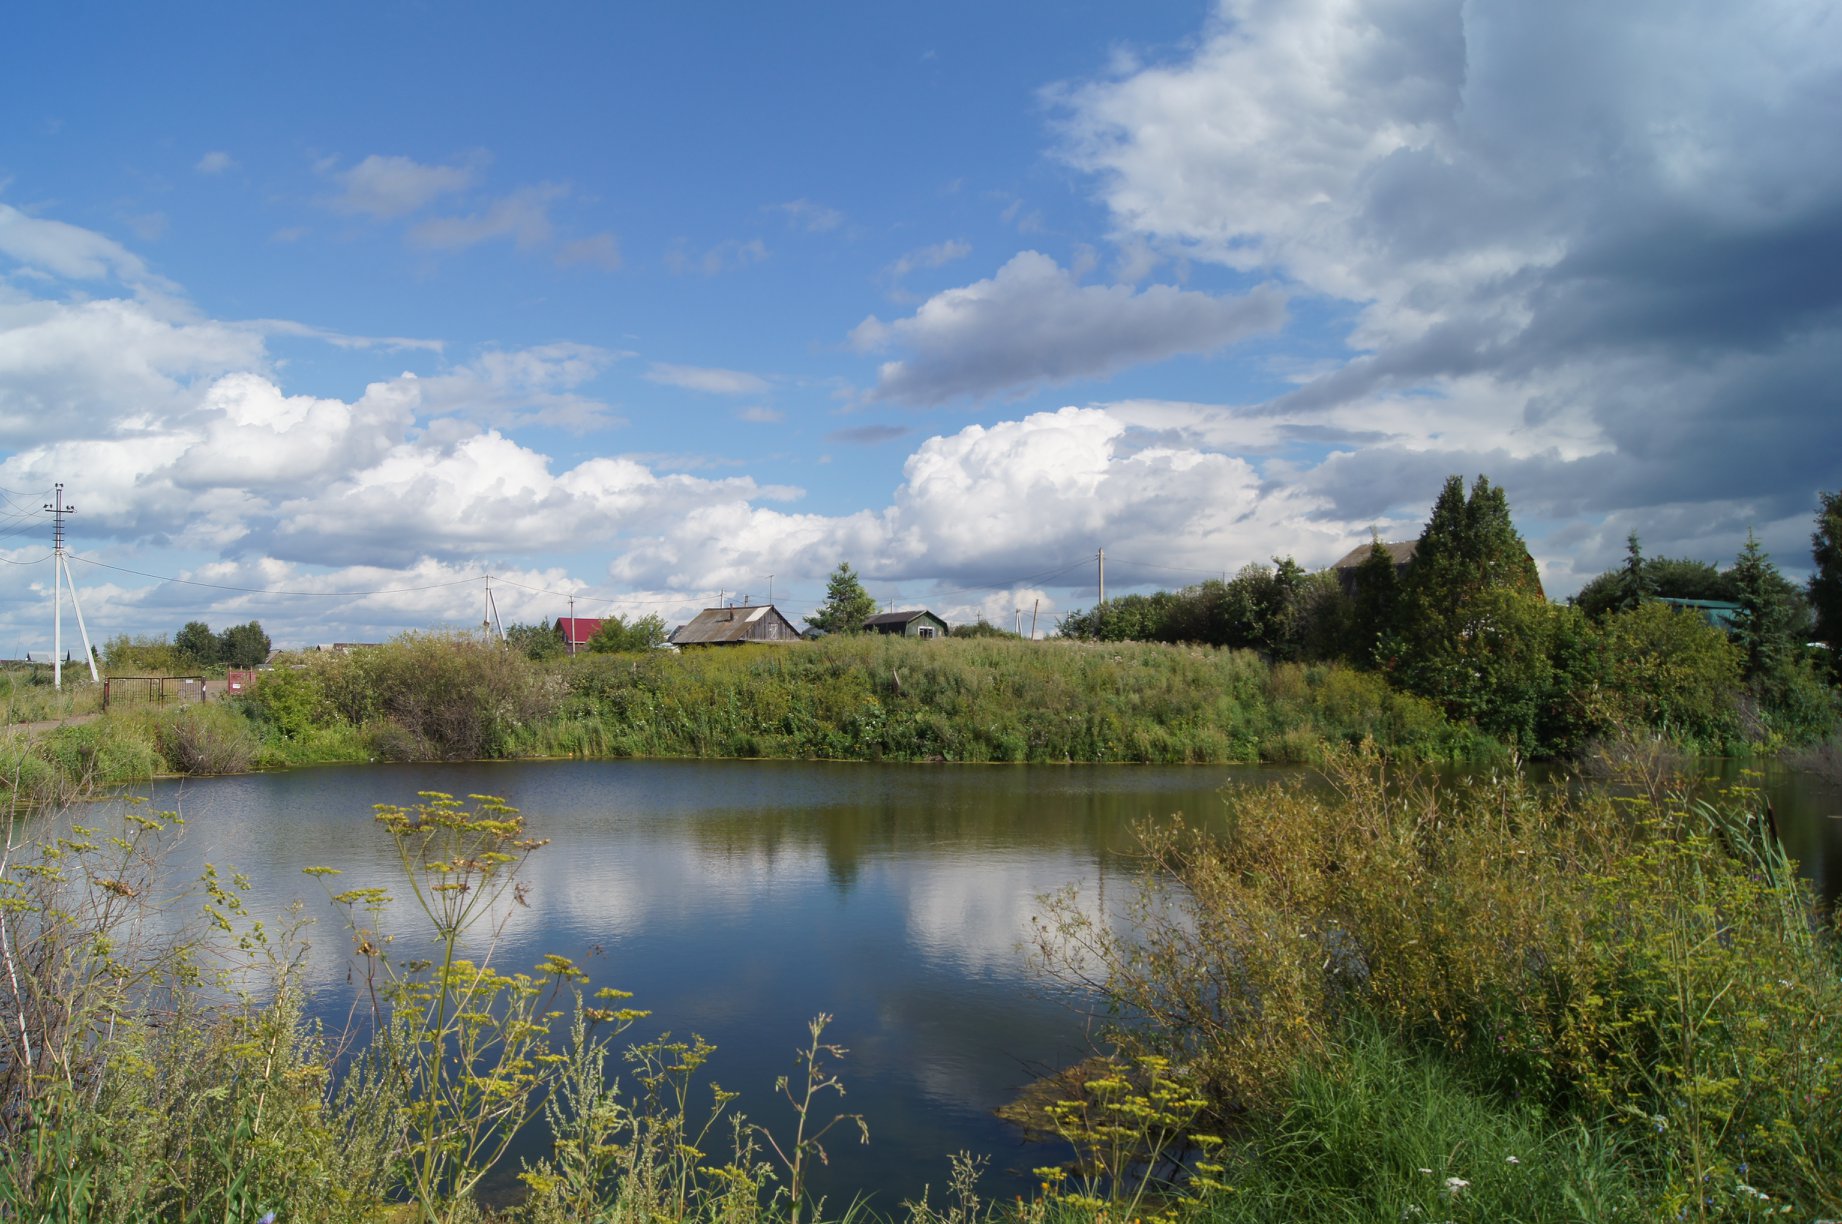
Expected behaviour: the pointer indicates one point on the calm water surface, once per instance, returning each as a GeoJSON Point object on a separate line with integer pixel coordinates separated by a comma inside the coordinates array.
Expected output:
{"type": "Point", "coordinates": [737, 899]}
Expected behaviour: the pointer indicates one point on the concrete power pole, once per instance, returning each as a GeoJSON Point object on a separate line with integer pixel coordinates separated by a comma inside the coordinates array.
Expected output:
{"type": "Point", "coordinates": [59, 580]}
{"type": "Point", "coordinates": [1100, 609]}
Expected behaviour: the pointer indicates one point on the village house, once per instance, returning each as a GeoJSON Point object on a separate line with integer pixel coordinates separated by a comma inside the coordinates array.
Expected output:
{"type": "Point", "coordinates": [733, 626]}
{"type": "Point", "coordinates": [576, 631]}
{"type": "Point", "coordinates": [915, 624]}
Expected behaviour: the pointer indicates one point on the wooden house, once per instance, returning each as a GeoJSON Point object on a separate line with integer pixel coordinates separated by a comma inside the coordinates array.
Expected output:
{"type": "Point", "coordinates": [735, 626]}
{"type": "Point", "coordinates": [916, 624]}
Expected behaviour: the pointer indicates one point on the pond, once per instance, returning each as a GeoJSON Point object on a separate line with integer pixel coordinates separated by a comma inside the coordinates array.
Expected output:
{"type": "Point", "coordinates": [738, 899]}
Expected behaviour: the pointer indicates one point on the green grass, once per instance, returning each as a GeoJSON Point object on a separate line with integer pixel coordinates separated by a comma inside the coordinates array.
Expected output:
{"type": "Point", "coordinates": [1376, 1132]}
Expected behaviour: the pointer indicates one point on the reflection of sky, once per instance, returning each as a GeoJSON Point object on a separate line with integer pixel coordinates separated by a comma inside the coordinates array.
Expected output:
{"type": "Point", "coordinates": [738, 899]}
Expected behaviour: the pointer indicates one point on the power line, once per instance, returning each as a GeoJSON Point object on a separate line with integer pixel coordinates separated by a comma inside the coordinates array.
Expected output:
{"type": "Point", "coordinates": [218, 586]}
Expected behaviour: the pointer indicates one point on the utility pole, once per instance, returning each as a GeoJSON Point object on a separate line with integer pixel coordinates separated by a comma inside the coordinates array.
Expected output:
{"type": "Point", "coordinates": [1100, 608]}
{"type": "Point", "coordinates": [1036, 604]}
{"type": "Point", "coordinates": [60, 578]}
{"type": "Point", "coordinates": [770, 588]}
{"type": "Point", "coordinates": [492, 614]}
{"type": "Point", "coordinates": [570, 637]}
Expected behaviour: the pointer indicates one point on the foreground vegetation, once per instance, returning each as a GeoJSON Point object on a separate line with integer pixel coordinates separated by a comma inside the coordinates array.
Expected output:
{"type": "Point", "coordinates": [1372, 1001]}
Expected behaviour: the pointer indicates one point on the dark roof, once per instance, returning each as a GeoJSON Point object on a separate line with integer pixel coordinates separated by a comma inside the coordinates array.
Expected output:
{"type": "Point", "coordinates": [898, 618]}
{"type": "Point", "coordinates": [1401, 551]}
{"type": "Point", "coordinates": [716, 626]}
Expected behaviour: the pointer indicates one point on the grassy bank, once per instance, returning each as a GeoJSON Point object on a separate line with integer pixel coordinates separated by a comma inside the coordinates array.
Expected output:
{"type": "Point", "coordinates": [1371, 1001]}
{"type": "Point", "coordinates": [887, 698]}
{"type": "Point", "coordinates": [425, 698]}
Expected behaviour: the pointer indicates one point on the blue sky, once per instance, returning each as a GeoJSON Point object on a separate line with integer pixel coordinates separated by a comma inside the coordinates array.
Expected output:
{"type": "Point", "coordinates": [645, 304]}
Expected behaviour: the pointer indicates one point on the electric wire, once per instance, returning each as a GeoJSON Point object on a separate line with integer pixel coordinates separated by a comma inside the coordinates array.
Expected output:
{"type": "Point", "coordinates": [218, 586]}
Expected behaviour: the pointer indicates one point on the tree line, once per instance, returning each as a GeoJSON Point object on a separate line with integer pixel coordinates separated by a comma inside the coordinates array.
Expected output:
{"type": "Point", "coordinates": [193, 648]}
{"type": "Point", "coordinates": [1464, 623]}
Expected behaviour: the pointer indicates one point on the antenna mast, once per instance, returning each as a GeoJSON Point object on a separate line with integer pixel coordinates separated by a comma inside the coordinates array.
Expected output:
{"type": "Point", "coordinates": [60, 579]}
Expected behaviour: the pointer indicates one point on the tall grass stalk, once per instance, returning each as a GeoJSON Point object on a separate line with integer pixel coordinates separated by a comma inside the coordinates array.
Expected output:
{"type": "Point", "coordinates": [1607, 955]}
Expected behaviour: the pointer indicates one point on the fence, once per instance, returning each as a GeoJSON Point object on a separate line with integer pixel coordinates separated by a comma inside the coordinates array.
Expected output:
{"type": "Point", "coordinates": [158, 690]}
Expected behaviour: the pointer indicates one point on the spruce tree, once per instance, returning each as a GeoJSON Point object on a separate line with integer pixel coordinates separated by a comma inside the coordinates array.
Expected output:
{"type": "Point", "coordinates": [1763, 627]}
{"type": "Point", "coordinates": [1825, 586]}
{"type": "Point", "coordinates": [847, 605]}
{"type": "Point", "coordinates": [1473, 628]}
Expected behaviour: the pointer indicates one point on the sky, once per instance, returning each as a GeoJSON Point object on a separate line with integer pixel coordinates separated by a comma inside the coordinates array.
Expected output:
{"type": "Point", "coordinates": [324, 314]}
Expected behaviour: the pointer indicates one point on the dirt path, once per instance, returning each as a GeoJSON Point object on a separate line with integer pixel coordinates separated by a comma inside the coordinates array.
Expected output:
{"type": "Point", "coordinates": [52, 724]}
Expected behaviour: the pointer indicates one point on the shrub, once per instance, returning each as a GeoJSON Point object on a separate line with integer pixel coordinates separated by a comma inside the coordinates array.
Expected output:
{"type": "Point", "coordinates": [1650, 959]}
{"type": "Point", "coordinates": [207, 739]}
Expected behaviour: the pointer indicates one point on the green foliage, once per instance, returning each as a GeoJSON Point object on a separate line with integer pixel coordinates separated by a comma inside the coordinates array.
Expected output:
{"type": "Point", "coordinates": [1669, 673]}
{"type": "Point", "coordinates": [196, 646]}
{"type": "Point", "coordinates": [980, 628]}
{"type": "Point", "coordinates": [1473, 631]}
{"type": "Point", "coordinates": [243, 645]}
{"type": "Point", "coordinates": [1825, 585]}
{"type": "Point", "coordinates": [433, 696]}
{"type": "Point", "coordinates": [847, 605]}
{"type": "Point", "coordinates": [1768, 611]}
{"type": "Point", "coordinates": [888, 698]}
{"type": "Point", "coordinates": [207, 739]}
{"type": "Point", "coordinates": [1646, 965]}
{"type": "Point", "coordinates": [1279, 610]}
{"type": "Point", "coordinates": [133, 1084]}
{"type": "Point", "coordinates": [1376, 1130]}
{"type": "Point", "coordinates": [289, 701]}
{"type": "Point", "coordinates": [466, 1049]}
{"type": "Point", "coordinates": [617, 636]}
{"type": "Point", "coordinates": [537, 642]}
{"type": "Point", "coordinates": [1129, 1124]}
{"type": "Point", "coordinates": [142, 655]}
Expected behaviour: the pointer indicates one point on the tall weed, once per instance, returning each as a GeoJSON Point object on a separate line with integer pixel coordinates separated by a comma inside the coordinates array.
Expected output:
{"type": "Point", "coordinates": [1631, 955]}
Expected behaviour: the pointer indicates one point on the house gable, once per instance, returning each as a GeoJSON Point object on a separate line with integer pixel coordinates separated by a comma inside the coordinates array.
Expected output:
{"type": "Point", "coordinates": [734, 626]}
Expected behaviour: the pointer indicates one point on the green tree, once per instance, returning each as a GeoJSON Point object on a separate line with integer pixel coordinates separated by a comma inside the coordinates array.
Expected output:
{"type": "Point", "coordinates": [143, 654]}
{"type": "Point", "coordinates": [617, 635]}
{"type": "Point", "coordinates": [1261, 609]}
{"type": "Point", "coordinates": [196, 645]}
{"type": "Point", "coordinates": [1764, 625]}
{"type": "Point", "coordinates": [847, 605]}
{"type": "Point", "coordinates": [1671, 673]}
{"type": "Point", "coordinates": [243, 645]}
{"type": "Point", "coordinates": [536, 642]}
{"type": "Point", "coordinates": [1825, 587]}
{"type": "Point", "coordinates": [1473, 627]}
{"type": "Point", "coordinates": [1635, 585]}
{"type": "Point", "coordinates": [1375, 595]}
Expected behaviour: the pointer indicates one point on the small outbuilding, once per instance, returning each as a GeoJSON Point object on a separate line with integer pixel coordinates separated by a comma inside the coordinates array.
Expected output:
{"type": "Point", "coordinates": [916, 624]}
{"type": "Point", "coordinates": [1720, 613]}
{"type": "Point", "coordinates": [734, 626]}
